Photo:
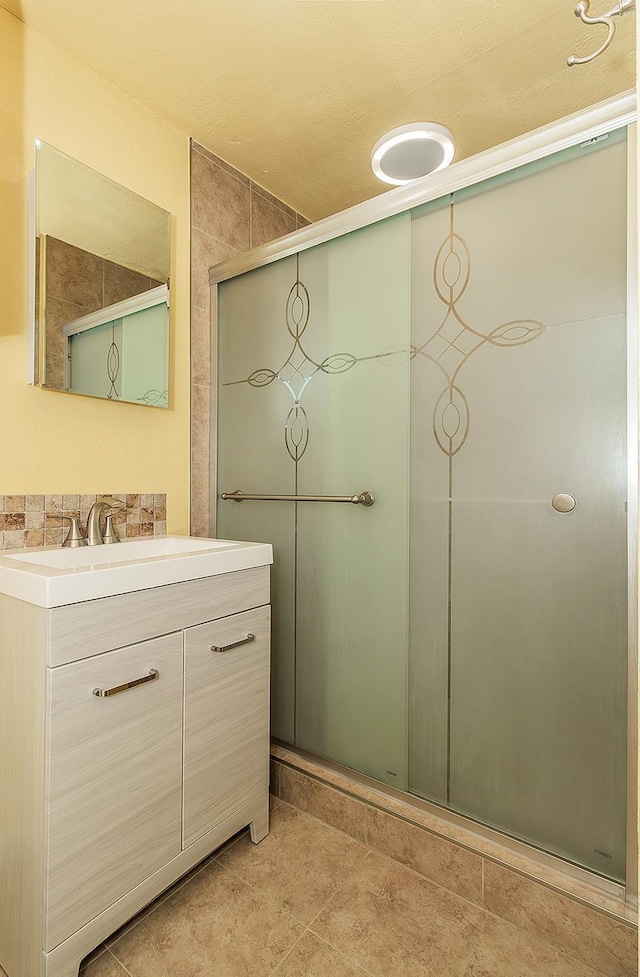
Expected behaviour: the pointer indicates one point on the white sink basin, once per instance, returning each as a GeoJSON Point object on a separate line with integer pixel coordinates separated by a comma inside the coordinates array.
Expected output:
{"type": "Point", "coordinates": [94, 557]}
{"type": "Point", "coordinates": [51, 577]}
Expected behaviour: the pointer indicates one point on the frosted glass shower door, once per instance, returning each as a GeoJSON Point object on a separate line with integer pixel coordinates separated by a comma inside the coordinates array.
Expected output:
{"type": "Point", "coordinates": [314, 400]}
{"type": "Point", "coordinates": [519, 602]}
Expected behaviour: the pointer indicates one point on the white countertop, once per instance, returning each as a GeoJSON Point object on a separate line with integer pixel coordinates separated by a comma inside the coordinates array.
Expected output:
{"type": "Point", "coordinates": [53, 576]}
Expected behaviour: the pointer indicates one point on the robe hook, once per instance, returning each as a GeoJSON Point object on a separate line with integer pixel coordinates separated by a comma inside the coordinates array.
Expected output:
{"type": "Point", "coordinates": [582, 11]}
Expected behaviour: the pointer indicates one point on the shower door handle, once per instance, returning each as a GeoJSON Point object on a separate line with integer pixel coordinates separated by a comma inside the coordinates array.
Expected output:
{"type": "Point", "coordinates": [363, 498]}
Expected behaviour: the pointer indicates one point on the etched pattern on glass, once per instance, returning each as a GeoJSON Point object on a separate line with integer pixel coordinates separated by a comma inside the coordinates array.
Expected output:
{"type": "Point", "coordinates": [455, 341]}
{"type": "Point", "coordinates": [300, 368]}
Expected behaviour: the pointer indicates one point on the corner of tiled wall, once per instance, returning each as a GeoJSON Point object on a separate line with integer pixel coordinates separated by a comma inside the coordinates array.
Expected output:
{"type": "Point", "coordinates": [38, 520]}
{"type": "Point", "coordinates": [230, 214]}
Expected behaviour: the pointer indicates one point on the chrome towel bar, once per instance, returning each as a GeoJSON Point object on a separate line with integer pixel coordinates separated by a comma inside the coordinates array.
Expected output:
{"type": "Point", "coordinates": [365, 498]}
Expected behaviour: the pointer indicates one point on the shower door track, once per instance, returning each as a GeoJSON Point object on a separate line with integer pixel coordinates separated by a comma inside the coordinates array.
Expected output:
{"type": "Point", "coordinates": [582, 127]}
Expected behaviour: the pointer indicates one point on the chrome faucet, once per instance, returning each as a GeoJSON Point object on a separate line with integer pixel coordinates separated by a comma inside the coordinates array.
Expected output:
{"type": "Point", "coordinates": [94, 530]}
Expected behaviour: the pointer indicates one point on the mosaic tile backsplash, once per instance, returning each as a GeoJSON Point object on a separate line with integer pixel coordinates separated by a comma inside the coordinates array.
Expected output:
{"type": "Point", "coordinates": [37, 520]}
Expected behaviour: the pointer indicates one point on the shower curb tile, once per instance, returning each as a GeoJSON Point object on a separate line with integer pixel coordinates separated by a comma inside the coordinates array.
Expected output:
{"type": "Point", "coordinates": [331, 777]}
{"type": "Point", "coordinates": [494, 853]}
{"type": "Point", "coordinates": [608, 945]}
{"type": "Point", "coordinates": [328, 805]}
{"type": "Point", "coordinates": [450, 865]}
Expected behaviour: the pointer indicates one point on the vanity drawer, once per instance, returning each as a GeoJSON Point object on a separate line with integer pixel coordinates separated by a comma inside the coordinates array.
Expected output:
{"type": "Point", "coordinates": [80, 630]}
{"type": "Point", "coordinates": [113, 778]}
{"type": "Point", "coordinates": [226, 736]}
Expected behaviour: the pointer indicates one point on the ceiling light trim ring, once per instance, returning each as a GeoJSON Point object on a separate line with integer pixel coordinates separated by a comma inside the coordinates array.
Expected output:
{"type": "Point", "coordinates": [413, 132]}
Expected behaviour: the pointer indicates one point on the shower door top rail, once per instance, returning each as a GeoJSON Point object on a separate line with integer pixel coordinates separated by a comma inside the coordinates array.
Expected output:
{"type": "Point", "coordinates": [364, 498]}
{"type": "Point", "coordinates": [599, 119]}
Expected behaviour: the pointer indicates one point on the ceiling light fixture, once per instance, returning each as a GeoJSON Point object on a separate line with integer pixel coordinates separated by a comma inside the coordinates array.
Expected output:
{"type": "Point", "coordinates": [410, 152]}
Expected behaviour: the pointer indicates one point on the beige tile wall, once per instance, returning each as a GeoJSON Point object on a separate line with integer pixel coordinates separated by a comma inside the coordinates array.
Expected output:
{"type": "Point", "coordinates": [78, 283]}
{"type": "Point", "coordinates": [230, 214]}
{"type": "Point", "coordinates": [39, 520]}
{"type": "Point", "coordinates": [585, 923]}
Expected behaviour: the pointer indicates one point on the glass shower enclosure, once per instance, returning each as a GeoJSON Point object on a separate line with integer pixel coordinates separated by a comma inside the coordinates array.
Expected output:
{"type": "Point", "coordinates": [428, 416]}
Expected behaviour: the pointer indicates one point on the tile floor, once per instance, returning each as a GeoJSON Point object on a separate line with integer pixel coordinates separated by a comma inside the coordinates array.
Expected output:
{"type": "Point", "coordinates": [310, 901]}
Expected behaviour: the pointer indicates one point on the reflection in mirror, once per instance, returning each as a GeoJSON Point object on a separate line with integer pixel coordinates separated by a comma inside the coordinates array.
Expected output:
{"type": "Point", "coordinates": [102, 258]}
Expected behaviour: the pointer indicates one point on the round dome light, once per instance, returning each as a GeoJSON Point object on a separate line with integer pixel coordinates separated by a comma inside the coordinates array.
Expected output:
{"type": "Point", "coordinates": [410, 152]}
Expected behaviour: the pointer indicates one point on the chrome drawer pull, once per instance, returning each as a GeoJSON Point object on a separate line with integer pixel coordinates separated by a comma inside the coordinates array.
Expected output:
{"type": "Point", "coordinates": [236, 644]}
{"type": "Point", "coordinates": [153, 674]}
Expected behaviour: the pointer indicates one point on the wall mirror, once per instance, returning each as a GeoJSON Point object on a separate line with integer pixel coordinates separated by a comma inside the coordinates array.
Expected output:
{"type": "Point", "coordinates": [100, 256]}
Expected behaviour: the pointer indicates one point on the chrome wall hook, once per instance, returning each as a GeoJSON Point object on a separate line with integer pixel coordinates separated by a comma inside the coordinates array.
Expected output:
{"type": "Point", "coordinates": [582, 11]}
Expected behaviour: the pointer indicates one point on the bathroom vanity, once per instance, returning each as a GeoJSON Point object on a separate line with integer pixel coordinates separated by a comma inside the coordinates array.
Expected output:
{"type": "Point", "coordinates": [134, 729]}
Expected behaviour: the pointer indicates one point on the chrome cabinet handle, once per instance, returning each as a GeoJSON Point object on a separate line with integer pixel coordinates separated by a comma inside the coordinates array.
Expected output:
{"type": "Point", "coordinates": [236, 644]}
{"type": "Point", "coordinates": [153, 674]}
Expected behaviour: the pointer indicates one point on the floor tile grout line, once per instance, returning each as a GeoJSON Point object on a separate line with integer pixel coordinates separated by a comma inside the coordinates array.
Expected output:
{"type": "Point", "coordinates": [120, 963]}
{"type": "Point", "coordinates": [552, 946]}
{"type": "Point", "coordinates": [254, 888]}
{"type": "Point", "coordinates": [276, 905]}
{"type": "Point", "coordinates": [336, 891]}
{"type": "Point", "coordinates": [474, 947]}
{"type": "Point", "coordinates": [308, 926]}
{"type": "Point", "coordinates": [160, 900]}
{"type": "Point", "coordinates": [289, 761]}
{"type": "Point", "coordinates": [342, 954]}
{"type": "Point", "coordinates": [93, 954]}
{"type": "Point", "coordinates": [228, 845]}
{"type": "Point", "coordinates": [288, 953]}
{"type": "Point", "coordinates": [383, 854]}
{"type": "Point", "coordinates": [457, 895]}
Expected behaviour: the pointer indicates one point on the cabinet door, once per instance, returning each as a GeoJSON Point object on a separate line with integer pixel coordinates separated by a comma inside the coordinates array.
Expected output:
{"type": "Point", "coordinates": [226, 745]}
{"type": "Point", "coordinates": [113, 778]}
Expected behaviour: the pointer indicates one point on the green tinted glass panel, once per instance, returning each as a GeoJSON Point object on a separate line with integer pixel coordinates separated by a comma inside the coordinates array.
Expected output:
{"type": "Point", "coordinates": [314, 399]}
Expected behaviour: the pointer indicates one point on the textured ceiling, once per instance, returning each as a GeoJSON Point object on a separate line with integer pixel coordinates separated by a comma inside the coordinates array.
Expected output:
{"type": "Point", "coordinates": [295, 92]}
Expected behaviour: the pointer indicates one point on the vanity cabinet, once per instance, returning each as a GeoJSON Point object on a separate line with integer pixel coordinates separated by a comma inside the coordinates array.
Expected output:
{"type": "Point", "coordinates": [225, 720]}
{"type": "Point", "coordinates": [137, 737]}
{"type": "Point", "coordinates": [113, 787]}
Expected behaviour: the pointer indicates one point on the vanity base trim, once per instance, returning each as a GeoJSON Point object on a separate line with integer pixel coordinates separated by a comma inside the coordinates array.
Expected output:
{"type": "Point", "coordinates": [64, 960]}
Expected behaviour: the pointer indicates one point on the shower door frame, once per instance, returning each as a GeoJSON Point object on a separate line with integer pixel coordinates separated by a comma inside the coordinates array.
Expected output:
{"type": "Point", "coordinates": [612, 114]}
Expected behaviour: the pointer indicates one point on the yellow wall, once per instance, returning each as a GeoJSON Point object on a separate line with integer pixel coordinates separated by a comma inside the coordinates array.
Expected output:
{"type": "Point", "coordinates": [58, 443]}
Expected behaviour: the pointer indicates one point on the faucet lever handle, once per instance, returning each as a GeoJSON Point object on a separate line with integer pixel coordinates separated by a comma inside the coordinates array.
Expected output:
{"type": "Point", "coordinates": [110, 535]}
{"type": "Point", "coordinates": [75, 536]}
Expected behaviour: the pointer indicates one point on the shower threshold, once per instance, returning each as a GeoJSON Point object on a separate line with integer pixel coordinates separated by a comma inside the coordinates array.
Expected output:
{"type": "Point", "coordinates": [545, 869]}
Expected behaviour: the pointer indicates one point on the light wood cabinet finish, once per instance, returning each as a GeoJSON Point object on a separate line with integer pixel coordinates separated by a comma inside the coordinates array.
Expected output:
{"type": "Point", "coordinates": [81, 630]}
{"type": "Point", "coordinates": [114, 780]}
{"type": "Point", "coordinates": [226, 735]}
{"type": "Point", "coordinates": [92, 820]}
{"type": "Point", "coordinates": [22, 693]}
